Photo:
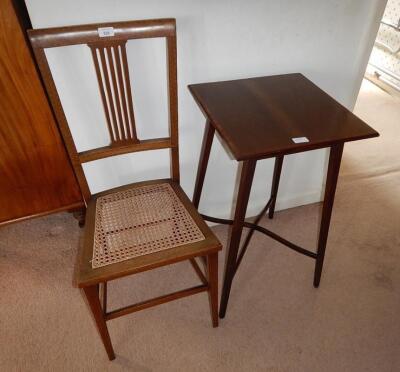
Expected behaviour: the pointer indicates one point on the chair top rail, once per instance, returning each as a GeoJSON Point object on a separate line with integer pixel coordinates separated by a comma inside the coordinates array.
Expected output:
{"type": "Point", "coordinates": [89, 33]}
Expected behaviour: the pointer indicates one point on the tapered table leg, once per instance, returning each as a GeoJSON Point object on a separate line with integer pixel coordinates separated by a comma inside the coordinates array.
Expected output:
{"type": "Point", "coordinates": [246, 180]}
{"type": "Point", "coordinates": [212, 276]}
{"type": "Point", "coordinates": [275, 184]}
{"type": "Point", "coordinates": [203, 162]}
{"type": "Point", "coordinates": [335, 157]}
{"type": "Point", "coordinates": [92, 296]}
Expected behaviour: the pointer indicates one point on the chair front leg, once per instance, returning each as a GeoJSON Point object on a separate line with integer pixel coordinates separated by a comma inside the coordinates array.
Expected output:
{"type": "Point", "coordinates": [92, 296]}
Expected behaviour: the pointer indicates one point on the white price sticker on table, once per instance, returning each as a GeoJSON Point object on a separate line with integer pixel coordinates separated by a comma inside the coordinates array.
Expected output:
{"type": "Point", "coordinates": [300, 139]}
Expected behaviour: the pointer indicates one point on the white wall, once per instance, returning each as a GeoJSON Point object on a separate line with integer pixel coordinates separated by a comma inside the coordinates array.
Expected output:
{"type": "Point", "coordinates": [328, 41]}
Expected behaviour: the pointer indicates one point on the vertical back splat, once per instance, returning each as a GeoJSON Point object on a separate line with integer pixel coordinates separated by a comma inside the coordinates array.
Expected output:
{"type": "Point", "coordinates": [111, 64]}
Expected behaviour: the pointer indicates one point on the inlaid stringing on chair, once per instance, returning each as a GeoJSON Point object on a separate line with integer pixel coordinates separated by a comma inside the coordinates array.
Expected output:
{"type": "Point", "coordinates": [141, 226]}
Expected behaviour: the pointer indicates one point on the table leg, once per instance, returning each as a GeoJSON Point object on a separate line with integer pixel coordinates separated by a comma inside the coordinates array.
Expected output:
{"type": "Point", "coordinates": [275, 184]}
{"type": "Point", "coordinates": [203, 162]}
{"type": "Point", "coordinates": [335, 157]}
{"type": "Point", "coordinates": [246, 180]}
{"type": "Point", "coordinates": [212, 276]}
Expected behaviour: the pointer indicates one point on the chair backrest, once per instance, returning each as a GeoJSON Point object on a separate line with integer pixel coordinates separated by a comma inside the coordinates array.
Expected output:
{"type": "Point", "coordinates": [107, 42]}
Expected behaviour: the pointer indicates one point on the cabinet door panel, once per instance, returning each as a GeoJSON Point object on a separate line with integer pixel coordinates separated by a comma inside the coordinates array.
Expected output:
{"type": "Point", "coordinates": [35, 174]}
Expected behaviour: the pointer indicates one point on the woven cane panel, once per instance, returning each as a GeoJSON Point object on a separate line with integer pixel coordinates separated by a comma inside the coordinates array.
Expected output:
{"type": "Point", "coordinates": [140, 221]}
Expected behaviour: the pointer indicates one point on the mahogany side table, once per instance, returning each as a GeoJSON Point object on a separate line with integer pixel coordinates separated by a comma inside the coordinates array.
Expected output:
{"type": "Point", "coordinates": [264, 117]}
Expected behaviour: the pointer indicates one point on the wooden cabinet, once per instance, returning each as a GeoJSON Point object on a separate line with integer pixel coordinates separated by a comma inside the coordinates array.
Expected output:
{"type": "Point", "coordinates": [35, 173]}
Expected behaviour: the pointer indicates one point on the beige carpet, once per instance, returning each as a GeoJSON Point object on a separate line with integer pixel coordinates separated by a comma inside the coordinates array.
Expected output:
{"type": "Point", "coordinates": [276, 320]}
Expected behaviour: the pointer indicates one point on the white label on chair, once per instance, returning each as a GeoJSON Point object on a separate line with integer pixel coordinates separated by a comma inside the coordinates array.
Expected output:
{"type": "Point", "coordinates": [105, 31]}
{"type": "Point", "coordinates": [300, 139]}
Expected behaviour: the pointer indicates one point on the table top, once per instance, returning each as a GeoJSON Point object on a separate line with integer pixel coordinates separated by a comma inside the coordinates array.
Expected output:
{"type": "Point", "coordinates": [265, 116]}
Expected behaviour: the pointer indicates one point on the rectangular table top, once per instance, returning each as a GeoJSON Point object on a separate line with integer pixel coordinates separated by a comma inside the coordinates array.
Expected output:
{"type": "Point", "coordinates": [265, 116]}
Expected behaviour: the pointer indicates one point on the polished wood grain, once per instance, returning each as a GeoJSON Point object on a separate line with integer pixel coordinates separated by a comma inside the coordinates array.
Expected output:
{"type": "Point", "coordinates": [89, 279]}
{"type": "Point", "coordinates": [275, 184]}
{"type": "Point", "coordinates": [155, 301]}
{"type": "Point", "coordinates": [111, 66]}
{"type": "Point", "coordinates": [92, 297]}
{"type": "Point", "coordinates": [85, 275]}
{"type": "Point", "coordinates": [62, 121]}
{"type": "Point", "coordinates": [202, 167]}
{"type": "Point", "coordinates": [258, 117]}
{"type": "Point", "coordinates": [246, 181]}
{"type": "Point", "coordinates": [212, 275]}
{"type": "Point", "coordinates": [173, 105]}
{"type": "Point", "coordinates": [335, 158]}
{"type": "Point", "coordinates": [36, 175]}
{"type": "Point", "coordinates": [88, 33]}
{"type": "Point", "coordinates": [106, 151]}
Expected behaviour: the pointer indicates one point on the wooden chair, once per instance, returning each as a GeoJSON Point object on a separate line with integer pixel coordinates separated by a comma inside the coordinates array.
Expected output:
{"type": "Point", "coordinates": [141, 226]}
